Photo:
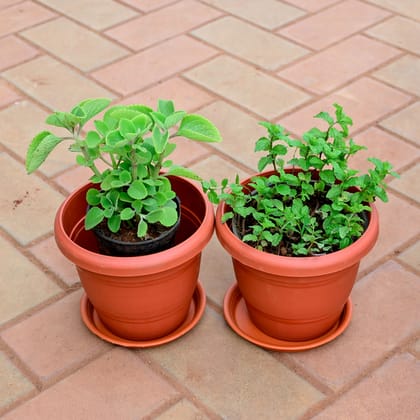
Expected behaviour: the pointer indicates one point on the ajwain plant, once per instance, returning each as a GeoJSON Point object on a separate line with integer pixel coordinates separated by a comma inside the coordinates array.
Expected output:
{"type": "Point", "coordinates": [133, 143]}
{"type": "Point", "coordinates": [315, 206]}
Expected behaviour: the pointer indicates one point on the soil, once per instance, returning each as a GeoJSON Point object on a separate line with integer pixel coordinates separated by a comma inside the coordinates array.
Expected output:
{"type": "Point", "coordinates": [128, 233]}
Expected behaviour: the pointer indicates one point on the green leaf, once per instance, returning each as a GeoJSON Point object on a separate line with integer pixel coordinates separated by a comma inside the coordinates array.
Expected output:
{"type": "Point", "coordinates": [181, 171]}
{"type": "Point", "coordinates": [93, 139]}
{"type": "Point", "coordinates": [167, 216]}
{"type": "Point", "coordinates": [174, 118]}
{"type": "Point", "coordinates": [137, 190]}
{"type": "Point", "coordinates": [92, 107]}
{"type": "Point", "coordinates": [39, 149]}
{"type": "Point", "coordinates": [114, 223]}
{"type": "Point", "coordinates": [160, 140]}
{"type": "Point", "coordinates": [63, 119]}
{"type": "Point", "coordinates": [263, 162]}
{"type": "Point", "coordinates": [262, 144]}
{"type": "Point", "coordinates": [327, 176]}
{"type": "Point", "coordinates": [126, 127]}
{"type": "Point", "coordinates": [196, 127]}
{"type": "Point", "coordinates": [93, 217]}
{"type": "Point", "coordinates": [142, 123]}
{"type": "Point", "coordinates": [326, 117]}
{"type": "Point", "coordinates": [166, 107]}
{"type": "Point", "coordinates": [93, 197]}
{"type": "Point", "coordinates": [142, 228]}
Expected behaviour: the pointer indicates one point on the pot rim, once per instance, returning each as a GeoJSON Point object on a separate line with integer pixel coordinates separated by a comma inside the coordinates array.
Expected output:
{"type": "Point", "coordinates": [296, 266]}
{"type": "Point", "coordinates": [127, 266]}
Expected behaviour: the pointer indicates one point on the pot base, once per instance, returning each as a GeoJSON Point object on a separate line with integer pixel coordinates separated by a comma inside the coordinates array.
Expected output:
{"type": "Point", "coordinates": [237, 317]}
{"type": "Point", "coordinates": [94, 324]}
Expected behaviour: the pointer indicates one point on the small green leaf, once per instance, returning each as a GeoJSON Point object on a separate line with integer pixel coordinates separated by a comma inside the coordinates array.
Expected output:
{"type": "Point", "coordinates": [93, 197]}
{"type": "Point", "coordinates": [167, 216]}
{"type": "Point", "coordinates": [39, 149]}
{"type": "Point", "coordinates": [137, 190]}
{"type": "Point", "coordinates": [127, 213]}
{"type": "Point", "coordinates": [126, 127]}
{"type": "Point", "coordinates": [196, 127]}
{"type": "Point", "coordinates": [262, 144]}
{"type": "Point", "coordinates": [166, 107]}
{"type": "Point", "coordinates": [142, 228]}
{"type": "Point", "coordinates": [92, 107]}
{"type": "Point", "coordinates": [160, 140]}
{"type": "Point", "coordinates": [93, 217]}
{"type": "Point", "coordinates": [63, 119]}
{"type": "Point", "coordinates": [181, 171]}
{"type": "Point", "coordinates": [93, 139]}
{"type": "Point", "coordinates": [327, 176]}
{"type": "Point", "coordinates": [114, 223]}
{"type": "Point", "coordinates": [174, 118]}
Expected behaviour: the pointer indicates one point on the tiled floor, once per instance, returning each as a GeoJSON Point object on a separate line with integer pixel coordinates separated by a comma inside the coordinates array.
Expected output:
{"type": "Point", "coordinates": [237, 62]}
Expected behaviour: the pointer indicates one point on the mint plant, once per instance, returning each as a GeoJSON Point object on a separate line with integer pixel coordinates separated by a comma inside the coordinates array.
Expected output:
{"type": "Point", "coordinates": [133, 142]}
{"type": "Point", "coordinates": [318, 205]}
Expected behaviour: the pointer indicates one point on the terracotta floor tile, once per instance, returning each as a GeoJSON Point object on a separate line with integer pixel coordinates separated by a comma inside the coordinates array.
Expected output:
{"type": "Point", "coordinates": [43, 77]}
{"type": "Point", "coordinates": [48, 253]}
{"type": "Point", "coordinates": [216, 272]}
{"type": "Point", "coordinates": [238, 138]}
{"type": "Point", "coordinates": [101, 390]}
{"type": "Point", "coordinates": [17, 136]}
{"type": "Point", "coordinates": [266, 13]}
{"type": "Point", "coordinates": [21, 16]}
{"type": "Point", "coordinates": [13, 384]}
{"type": "Point", "coordinates": [247, 86]}
{"type": "Point", "coordinates": [54, 340]}
{"type": "Point", "coordinates": [217, 168]}
{"type": "Point", "coordinates": [74, 44]}
{"type": "Point", "coordinates": [97, 14]}
{"type": "Point", "coordinates": [185, 95]}
{"type": "Point", "coordinates": [73, 178]}
{"type": "Point", "coordinates": [14, 51]}
{"type": "Point", "coordinates": [312, 6]}
{"type": "Point", "coordinates": [399, 31]}
{"type": "Point", "coordinates": [385, 313]}
{"type": "Point", "coordinates": [384, 146]}
{"type": "Point", "coordinates": [148, 5]}
{"type": "Point", "coordinates": [182, 410]}
{"type": "Point", "coordinates": [388, 393]}
{"type": "Point", "coordinates": [365, 101]}
{"type": "Point", "coordinates": [30, 285]}
{"type": "Point", "coordinates": [250, 43]}
{"type": "Point", "coordinates": [182, 52]}
{"type": "Point", "coordinates": [7, 94]}
{"type": "Point", "coordinates": [405, 123]}
{"type": "Point", "coordinates": [403, 73]}
{"type": "Point", "coordinates": [333, 24]}
{"type": "Point", "coordinates": [392, 233]}
{"type": "Point", "coordinates": [163, 24]}
{"type": "Point", "coordinates": [229, 357]}
{"type": "Point", "coordinates": [409, 8]}
{"type": "Point", "coordinates": [411, 256]}
{"type": "Point", "coordinates": [335, 66]}
{"type": "Point", "coordinates": [408, 183]}
{"type": "Point", "coordinates": [7, 3]}
{"type": "Point", "coordinates": [24, 200]}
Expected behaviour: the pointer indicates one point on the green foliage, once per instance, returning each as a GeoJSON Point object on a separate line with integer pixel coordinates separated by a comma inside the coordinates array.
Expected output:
{"type": "Point", "coordinates": [133, 142]}
{"type": "Point", "coordinates": [317, 205]}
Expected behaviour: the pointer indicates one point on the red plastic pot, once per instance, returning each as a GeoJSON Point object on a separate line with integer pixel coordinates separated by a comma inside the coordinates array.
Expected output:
{"type": "Point", "coordinates": [142, 297]}
{"type": "Point", "coordinates": [295, 298]}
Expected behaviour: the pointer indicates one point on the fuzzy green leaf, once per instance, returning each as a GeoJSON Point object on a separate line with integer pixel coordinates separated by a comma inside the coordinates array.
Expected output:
{"type": "Point", "coordinates": [137, 190]}
{"type": "Point", "coordinates": [93, 217]}
{"type": "Point", "coordinates": [142, 228]}
{"type": "Point", "coordinates": [167, 216]}
{"type": "Point", "coordinates": [196, 127]}
{"type": "Point", "coordinates": [39, 149]}
{"type": "Point", "coordinates": [93, 139]}
{"type": "Point", "coordinates": [186, 173]}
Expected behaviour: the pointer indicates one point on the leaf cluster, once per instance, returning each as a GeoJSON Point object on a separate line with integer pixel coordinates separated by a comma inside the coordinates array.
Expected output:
{"type": "Point", "coordinates": [313, 203]}
{"type": "Point", "coordinates": [132, 143]}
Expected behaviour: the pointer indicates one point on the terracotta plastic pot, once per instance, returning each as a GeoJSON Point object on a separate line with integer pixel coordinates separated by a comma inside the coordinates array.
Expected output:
{"type": "Point", "coordinates": [143, 297]}
{"type": "Point", "coordinates": [295, 298]}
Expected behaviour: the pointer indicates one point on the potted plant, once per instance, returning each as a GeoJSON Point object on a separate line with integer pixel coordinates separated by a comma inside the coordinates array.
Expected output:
{"type": "Point", "coordinates": [297, 233]}
{"type": "Point", "coordinates": [136, 231]}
